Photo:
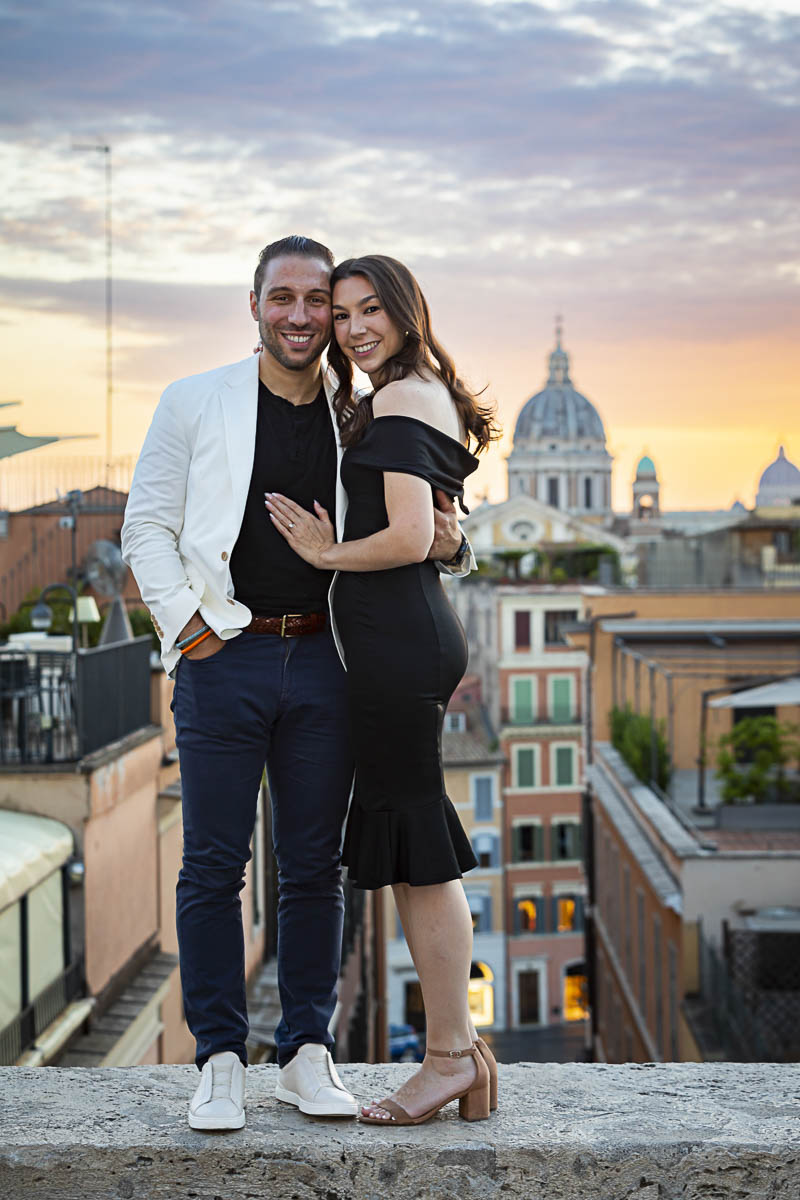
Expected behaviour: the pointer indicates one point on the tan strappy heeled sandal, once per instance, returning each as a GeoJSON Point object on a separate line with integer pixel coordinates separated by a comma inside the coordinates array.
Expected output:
{"type": "Point", "coordinates": [491, 1066]}
{"type": "Point", "coordinates": [473, 1102]}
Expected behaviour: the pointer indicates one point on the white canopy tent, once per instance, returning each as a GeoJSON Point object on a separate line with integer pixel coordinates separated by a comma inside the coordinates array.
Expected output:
{"type": "Point", "coordinates": [768, 695]}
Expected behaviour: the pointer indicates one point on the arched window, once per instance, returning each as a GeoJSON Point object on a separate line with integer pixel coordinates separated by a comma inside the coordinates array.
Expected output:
{"type": "Point", "coordinates": [481, 994]}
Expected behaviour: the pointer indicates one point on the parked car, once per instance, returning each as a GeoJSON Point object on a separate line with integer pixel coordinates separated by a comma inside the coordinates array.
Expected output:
{"type": "Point", "coordinates": [405, 1044]}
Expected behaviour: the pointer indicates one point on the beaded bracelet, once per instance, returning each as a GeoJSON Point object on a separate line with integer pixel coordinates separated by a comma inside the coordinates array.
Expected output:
{"type": "Point", "coordinates": [203, 628]}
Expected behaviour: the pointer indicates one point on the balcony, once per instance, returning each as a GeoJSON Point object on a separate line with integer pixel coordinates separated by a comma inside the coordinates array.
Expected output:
{"type": "Point", "coordinates": [514, 718]}
{"type": "Point", "coordinates": [58, 707]}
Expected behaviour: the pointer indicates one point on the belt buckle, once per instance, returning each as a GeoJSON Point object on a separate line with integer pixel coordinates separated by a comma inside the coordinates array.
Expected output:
{"type": "Point", "coordinates": [283, 623]}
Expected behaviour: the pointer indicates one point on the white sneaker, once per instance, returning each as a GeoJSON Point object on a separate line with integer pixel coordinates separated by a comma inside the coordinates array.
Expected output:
{"type": "Point", "coordinates": [218, 1102]}
{"type": "Point", "coordinates": [310, 1082]}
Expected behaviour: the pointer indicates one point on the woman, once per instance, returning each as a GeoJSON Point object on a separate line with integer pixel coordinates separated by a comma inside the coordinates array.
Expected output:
{"type": "Point", "coordinates": [405, 651]}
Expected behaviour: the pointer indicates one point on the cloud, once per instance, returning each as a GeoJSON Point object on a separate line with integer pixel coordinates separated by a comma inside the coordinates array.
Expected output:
{"type": "Point", "coordinates": [633, 163]}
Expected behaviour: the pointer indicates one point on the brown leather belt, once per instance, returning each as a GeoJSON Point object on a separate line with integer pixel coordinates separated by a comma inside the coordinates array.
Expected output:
{"type": "Point", "coordinates": [289, 625]}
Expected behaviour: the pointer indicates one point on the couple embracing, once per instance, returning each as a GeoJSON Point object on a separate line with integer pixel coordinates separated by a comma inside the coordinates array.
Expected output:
{"type": "Point", "coordinates": [287, 537]}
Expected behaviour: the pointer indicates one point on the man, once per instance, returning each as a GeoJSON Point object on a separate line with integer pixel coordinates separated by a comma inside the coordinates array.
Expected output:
{"type": "Point", "coordinates": [244, 626]}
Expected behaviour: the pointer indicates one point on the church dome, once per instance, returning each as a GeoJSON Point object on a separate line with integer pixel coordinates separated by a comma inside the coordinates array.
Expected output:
{"type": "Point", "coordinates": [646, 468]}
{"type": "Point", "coordinates": [780, 482]}
{"type": "Point", "coordinates": [559, 412]}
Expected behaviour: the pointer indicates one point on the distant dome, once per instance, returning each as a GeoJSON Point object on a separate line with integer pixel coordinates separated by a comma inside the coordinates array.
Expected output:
{"type": "Point", "coordinates": [780, 483]}
{"type": "Point", "coordinates": [559, 412]}
{"type": "Point", "coordinates": [646, 468]}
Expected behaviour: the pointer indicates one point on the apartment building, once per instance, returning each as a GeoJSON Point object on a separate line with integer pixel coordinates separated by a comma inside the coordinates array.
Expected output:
{"type": "Point", "coordinates": [693, 930]}
{"type": "Point", "coordinates": [473, 764]}
{"type": "Point", "coordinates": [532, 681]}
{"type": "Point", "coordinates": [540, 726]}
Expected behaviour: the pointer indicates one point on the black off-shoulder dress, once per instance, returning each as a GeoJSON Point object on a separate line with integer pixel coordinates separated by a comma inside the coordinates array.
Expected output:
{"type": "Point", "coordinates": [405, 653]}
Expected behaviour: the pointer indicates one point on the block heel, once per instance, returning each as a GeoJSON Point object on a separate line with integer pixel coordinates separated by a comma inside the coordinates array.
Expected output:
{"type": "Point", "coordinates": [473, 1102]}
{"type": "Point", "coordinates": [491, 1065]}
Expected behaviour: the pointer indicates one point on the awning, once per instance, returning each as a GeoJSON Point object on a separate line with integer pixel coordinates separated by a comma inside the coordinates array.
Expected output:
{"type": "Point", "coordinates": [31, 848]}
{"type": "Point", "coordinates": [768, 695]}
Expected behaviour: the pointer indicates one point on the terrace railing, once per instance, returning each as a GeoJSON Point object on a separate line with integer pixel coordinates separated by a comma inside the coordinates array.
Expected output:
{"type": "Point", "coordinates": [58, 707]}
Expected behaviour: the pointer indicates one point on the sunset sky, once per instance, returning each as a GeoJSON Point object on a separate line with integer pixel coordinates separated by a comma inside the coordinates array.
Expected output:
{"type": "Point", "coordinates": [631, 165]}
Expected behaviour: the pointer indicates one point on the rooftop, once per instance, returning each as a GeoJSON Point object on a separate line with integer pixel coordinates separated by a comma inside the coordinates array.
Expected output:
{"type": "Point", "coordinates": [643, 628]}
{"type": "Point", "coordinates": [467, 747]}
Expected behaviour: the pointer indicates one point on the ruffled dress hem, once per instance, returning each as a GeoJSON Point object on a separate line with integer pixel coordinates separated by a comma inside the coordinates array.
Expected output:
{"type": "Point", "coordinates": [419, 846]}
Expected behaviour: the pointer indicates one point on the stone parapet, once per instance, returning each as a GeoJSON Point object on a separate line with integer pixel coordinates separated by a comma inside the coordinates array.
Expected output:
{"type": "Point", "coordinates": [691, 1131]}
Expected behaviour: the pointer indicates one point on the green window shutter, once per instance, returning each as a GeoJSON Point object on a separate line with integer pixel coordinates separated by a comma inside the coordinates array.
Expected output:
{"type": "Point", "coordinates": [538, 843]}
{"type": "Point", "coordinates": [564, 766]}
{"type": "Point", "coordinates": [525, 768]}
{"type": "Point", "coordinates": [523, 701]}
{"type": "Point", "coordinates": [562, 700]}
{"type": "Point", "coordinates": [554, 855]}
{"type": "Point", "coordinates": [515, 843]}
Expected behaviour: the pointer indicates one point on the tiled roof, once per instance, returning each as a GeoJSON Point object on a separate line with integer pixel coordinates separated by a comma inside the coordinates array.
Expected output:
{"type": "Point", "coordinates": [468, 747]}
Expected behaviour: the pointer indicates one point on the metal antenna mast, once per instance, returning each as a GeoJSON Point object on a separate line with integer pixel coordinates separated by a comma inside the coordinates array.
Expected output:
{"type": "Point", "coordinates": [105, 149]}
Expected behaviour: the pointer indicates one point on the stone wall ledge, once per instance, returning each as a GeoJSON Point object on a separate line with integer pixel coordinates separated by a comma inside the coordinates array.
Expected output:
{"type": "Point", "coordinates": [692, 1131]}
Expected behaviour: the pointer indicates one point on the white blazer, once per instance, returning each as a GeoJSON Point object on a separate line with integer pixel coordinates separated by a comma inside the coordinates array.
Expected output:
{"type": "Point", "coordinates": [187, 501]}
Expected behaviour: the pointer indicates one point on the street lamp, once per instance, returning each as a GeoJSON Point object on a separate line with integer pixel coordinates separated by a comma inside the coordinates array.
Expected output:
{"type": "Point", "coordinates": [42, 613]}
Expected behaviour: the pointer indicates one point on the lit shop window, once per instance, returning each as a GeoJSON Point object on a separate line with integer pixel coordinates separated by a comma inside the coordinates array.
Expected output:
{"type": "Point", "coordinates": [568, 914]}
{"type": "Point", "coordinates": [481, 994]}
{"type": "Point", "coordinates": [576, 993]}
{"type": "Point", "coordinates": [529, 914]}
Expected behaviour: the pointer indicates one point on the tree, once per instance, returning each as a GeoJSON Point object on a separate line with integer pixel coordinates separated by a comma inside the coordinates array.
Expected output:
{"type": "Point", "coordinates": [752, 761]}
{"type": "Point", "coordinates": [632, 736]}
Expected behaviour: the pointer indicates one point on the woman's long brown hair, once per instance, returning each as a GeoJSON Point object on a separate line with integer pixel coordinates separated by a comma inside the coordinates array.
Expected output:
{"type": "Point", "coordinates": [400, 296]}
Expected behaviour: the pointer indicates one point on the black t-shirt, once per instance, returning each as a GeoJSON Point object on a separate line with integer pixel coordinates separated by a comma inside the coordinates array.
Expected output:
{"type": "Point", "coordinates": [295, 454]}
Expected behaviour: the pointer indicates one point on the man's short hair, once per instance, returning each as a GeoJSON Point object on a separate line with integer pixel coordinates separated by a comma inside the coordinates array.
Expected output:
{"type": "Point", "coordinates": [294, 245]}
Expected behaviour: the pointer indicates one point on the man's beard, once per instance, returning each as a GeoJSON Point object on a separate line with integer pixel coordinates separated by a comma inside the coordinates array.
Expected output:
{"type": "Point", "coordinates": [270, 340]}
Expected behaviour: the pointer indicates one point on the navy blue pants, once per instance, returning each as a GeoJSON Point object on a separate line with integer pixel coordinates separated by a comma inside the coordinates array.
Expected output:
{"type": "Point", "coordinates": [277, 701]}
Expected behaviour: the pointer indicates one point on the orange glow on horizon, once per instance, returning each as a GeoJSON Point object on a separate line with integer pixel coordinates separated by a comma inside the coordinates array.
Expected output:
{"type": "Point", "coordinates": [710, 415]}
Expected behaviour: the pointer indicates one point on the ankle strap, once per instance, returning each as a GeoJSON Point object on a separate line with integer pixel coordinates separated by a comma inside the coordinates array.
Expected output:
{"type": "Point", "coordinates": [451, 1053]}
